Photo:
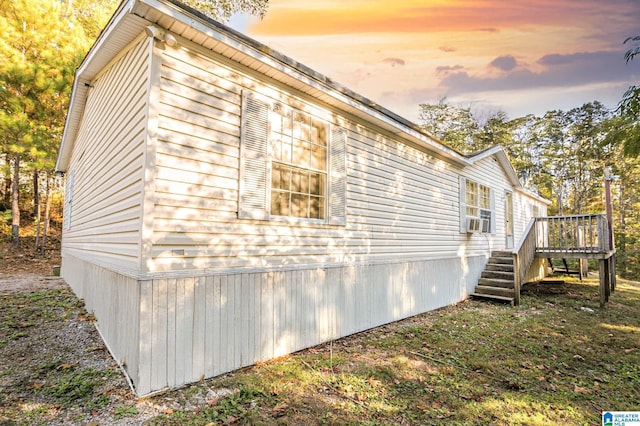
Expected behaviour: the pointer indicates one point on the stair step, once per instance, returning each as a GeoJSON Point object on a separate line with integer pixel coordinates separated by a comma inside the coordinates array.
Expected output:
{"type": "Point", "coordinates": [492, 297]}
{"type": "Point", "coordinates": [501, 253]}
{"type": "Point", "coordinates": [495, 291]}
{"type": "Point", "coordinates": [505, 275]}
{"type": "Point", "coordinates": [501, 260]}
{"type": "Point", "coordinates": [496, 282]}
{"type": "Point", "coordinates": [499, 267]}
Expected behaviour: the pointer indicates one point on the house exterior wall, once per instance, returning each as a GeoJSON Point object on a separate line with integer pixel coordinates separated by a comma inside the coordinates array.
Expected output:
{"type": "Point", "coordinates": [401, 202]}
{"type": "Point", "coordinates": [104, 180]}
{"type": "Point", "coordinates": [182, 288]}
{"type": "Point", "coordinates": [103, 211]}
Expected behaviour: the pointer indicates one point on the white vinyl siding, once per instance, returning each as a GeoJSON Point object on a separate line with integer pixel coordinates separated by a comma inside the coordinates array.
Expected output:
{"type": "Point", "coordinates": [392, 199]}
{"type": "Point", "coordinates": [104, 216]}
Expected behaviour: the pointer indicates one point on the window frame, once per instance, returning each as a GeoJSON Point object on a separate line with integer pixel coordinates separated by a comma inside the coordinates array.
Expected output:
{"type": "Point", "coordinates": [257, 159]}
{"type": "Point", "coordinates": [292, 114]}
{"type": "Point", "coordinates": [477, 201]}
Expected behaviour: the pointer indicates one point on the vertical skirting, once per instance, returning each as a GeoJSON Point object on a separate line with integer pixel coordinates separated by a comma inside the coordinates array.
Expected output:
{"type": "Point", "coordinates": [205, 326]}
{"type": "Point", "coordinates": [114, 299]}
{"type": "Point", "coordinates": [168, 332]}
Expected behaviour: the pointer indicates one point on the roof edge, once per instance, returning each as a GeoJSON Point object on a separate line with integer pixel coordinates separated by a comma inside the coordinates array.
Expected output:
{"type": "Point", "coordinates": [503, 158]}
{"type": "Point", "coordinates": [80, 86]}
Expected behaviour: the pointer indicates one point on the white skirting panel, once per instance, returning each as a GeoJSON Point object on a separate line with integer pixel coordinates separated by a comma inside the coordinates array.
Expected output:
{"type": "Point", "coordinates": [168, 332]}
{"type": "Point", "coordinates": [205, 326]}
{"type": "Point", "coordinates": [114, 299]}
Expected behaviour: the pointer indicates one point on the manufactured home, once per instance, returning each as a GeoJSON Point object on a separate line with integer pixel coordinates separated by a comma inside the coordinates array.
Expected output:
{"type": "Point", "coordinates": [227, 205]}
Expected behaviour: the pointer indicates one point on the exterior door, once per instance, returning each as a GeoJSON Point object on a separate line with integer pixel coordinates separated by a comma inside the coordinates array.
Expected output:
{"type": "Point", "coordinates": [508, 219]}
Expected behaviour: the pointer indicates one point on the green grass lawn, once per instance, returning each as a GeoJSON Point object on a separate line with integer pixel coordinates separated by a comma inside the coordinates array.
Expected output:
{"type": "Point", "coordinates": [556, 359]}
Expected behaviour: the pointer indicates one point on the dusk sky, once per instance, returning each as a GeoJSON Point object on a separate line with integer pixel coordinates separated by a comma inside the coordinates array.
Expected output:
{"type": "Point", "coordinates": [519, 56]}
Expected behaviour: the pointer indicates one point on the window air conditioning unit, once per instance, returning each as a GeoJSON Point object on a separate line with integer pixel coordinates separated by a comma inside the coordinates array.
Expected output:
{"type": "Point", "coordinates": [486, 226]}
{"type": "Point", "coordinates": [473, 225]}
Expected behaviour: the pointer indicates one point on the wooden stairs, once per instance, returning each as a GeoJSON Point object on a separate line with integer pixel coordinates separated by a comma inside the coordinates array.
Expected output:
{"type": "Point", "coordinates": [497, 281]}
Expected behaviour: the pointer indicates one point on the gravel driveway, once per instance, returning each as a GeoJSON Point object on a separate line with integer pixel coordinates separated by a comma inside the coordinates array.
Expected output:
{"type": "Point", "coordinates": [55, 368]}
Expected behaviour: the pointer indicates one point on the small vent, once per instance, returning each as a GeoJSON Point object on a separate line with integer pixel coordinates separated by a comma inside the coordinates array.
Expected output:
{"type": "Point", "coordinates": [473, 225]}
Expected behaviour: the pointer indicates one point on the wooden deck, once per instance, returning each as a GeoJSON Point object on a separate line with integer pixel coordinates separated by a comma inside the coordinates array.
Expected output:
{"type": "Point", "coordinates": [567, 237]}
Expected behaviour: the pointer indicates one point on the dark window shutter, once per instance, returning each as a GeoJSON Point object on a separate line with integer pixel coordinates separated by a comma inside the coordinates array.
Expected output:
{"type": "Point", "coordinates": [254, 159]}
{"type": "Point", "coordinates": [337, 176]}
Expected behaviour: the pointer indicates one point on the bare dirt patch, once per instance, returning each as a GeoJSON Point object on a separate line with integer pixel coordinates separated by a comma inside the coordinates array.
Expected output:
{"type": "Point", "coordinates": [24, 259]}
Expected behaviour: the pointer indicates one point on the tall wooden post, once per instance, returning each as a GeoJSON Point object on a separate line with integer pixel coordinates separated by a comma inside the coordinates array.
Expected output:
{"type": "Point", "coordinates": [609, 210]}
{"type": "Point", "coordinates": [607, 202]}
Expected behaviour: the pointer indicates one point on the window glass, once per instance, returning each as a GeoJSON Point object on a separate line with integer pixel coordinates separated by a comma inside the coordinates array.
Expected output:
{"type": "Point", "coordinates": [472, 198]}
{"type": "Point", "coordinates": [485, 197]}
{"type": "Point", "coordinates": [478, 203]}
{"type": "Point", "coordinates": [298, 164]}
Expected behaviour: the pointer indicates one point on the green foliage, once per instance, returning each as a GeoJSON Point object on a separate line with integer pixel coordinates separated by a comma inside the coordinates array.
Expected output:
{"type": "Point", "coordinates": [41, 46]}
{"type": "Point", "coordinates": [629, 106]}
{"type": "Point", "coordinates": [454, 126]}
{"type": "Point", "coordinates": [224, 9]}
{"type": "Point", "coordinates": [42, 49]}
{"type": "Point", "coordinates": [123, 411]}
{"type": "Point", "coordinates": [78, 388]}
{"type": "Point", "coordinates": [562, 155]}
{"type": "Point", "coordinates": [5, 223]}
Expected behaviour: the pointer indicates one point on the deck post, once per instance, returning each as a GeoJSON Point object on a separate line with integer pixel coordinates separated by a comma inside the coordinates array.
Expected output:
{"type": "Point", "coordinates": [613, 273]}
{"type": "Point", "coordinates": [583, 268]}
{"type": "Point", "coordinates": [605, 281]}
{"type": "Point", "coordinates": [603, 295]}
{"type": "Point", "coordinates": [516, 279]}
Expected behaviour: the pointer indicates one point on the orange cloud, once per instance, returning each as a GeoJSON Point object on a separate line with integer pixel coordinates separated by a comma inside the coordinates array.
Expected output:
{"type": "Point", "coordinates": [314, 17]}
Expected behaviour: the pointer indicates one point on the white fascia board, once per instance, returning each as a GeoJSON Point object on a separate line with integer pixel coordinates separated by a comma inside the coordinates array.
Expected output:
{"type": "Point", "coordinates": [499, 153]}
{"type": "Point", "coordinates": [533, 195]}
{"type": "Point", "coordinates": [93, 62]}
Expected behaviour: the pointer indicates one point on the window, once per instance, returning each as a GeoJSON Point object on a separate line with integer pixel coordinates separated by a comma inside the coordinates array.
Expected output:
{"type": "Point", "coordinates": [536, 211]}
{"type": "Point", "coordinates": [472, 199]}
{"type": "Point", "coordinates": [477, 202]}
{"type": "Point", "coordinates": [298, 164]}
{"type": "Point", "coordinates": [292, 164]}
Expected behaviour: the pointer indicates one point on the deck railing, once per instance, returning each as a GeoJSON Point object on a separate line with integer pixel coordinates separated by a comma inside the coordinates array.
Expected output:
{"type": "Point", "coordinates": [582, 234]}
{"type": "Point", "coordinates": [567, 236]}
{"type": "Point", "coordinates": [523, 255]}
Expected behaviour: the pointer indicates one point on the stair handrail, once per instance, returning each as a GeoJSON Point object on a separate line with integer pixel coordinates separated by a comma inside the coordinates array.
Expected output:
{"type": "Point", "coordinates": [523, 255]}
